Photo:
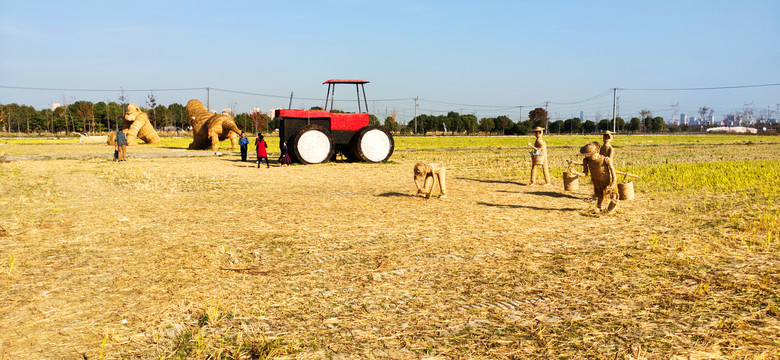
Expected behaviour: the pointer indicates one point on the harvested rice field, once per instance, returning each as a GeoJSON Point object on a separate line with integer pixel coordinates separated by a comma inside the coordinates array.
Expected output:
{"type": "Point", "coordinates": [177, 256]}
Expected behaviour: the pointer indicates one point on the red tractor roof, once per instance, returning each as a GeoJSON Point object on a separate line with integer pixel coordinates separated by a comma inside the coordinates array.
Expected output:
{"type": "Point", "coordinates": [344, 81]}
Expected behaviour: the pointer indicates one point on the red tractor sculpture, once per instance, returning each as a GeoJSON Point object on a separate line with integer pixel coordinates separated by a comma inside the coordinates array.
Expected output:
{"type": "Point", "coordinates": [314, 136]}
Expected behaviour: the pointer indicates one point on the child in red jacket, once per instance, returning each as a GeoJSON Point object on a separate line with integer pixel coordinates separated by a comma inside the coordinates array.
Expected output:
{"type": "Point", "coordinates": [261, 150]}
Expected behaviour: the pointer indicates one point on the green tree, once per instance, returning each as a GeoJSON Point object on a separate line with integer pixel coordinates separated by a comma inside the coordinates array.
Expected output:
{"type": "Point", "coordinates": [658, 124]}
{"type": "Point", "coordinates": [178, 115]}
{"type": "Point", "coordinates": [572, 125]}
{"type": "Point", "coordinates": [589, 127]}
{"type": "Point", "coordinates": [60, 119]}
{"type": "Point", "coordinates": [647, 119]}
{"type": "Point", "coordinates": [621, 124]}
{"type": "Point", "coordinates": [538, 117]}
{"type": "Point", "coordinates": [503, 123]}
{"type": "Point", "coordinates": [391, 124]}
{"type": "Point", "coordinates": [522, 128]}
{"type": "Point", "coordinates": [635, 124]}
{"type": "Point", "coordinates": [605, 124]}
{"type": "Point", "coordinates": [373, 120]}
{"type": "Point", "coordinates": [487, 124]}
{"type": "Point", "coordinates": [151, 101]}
{"type": "Point", "coordinates": [244, 122]}
{"type": "Point", "coordinates": [470, 123]}
{"type": "Point", "coordinates": [163, 116]}
{"type": "Point", "coordinates": [557, 126]}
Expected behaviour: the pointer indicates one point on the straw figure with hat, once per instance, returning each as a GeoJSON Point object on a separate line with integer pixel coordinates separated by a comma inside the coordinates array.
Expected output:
{"type": "Point", "coordinates": [539, 156]}
{"type": "Point", "coordinates": [209, 129]}
{"type": "Point", "coordinates": [602, 175]}
{"type": "Point", "coordinates": [136, 125]}
{"type": "Point", "coordinates": [607, 149]}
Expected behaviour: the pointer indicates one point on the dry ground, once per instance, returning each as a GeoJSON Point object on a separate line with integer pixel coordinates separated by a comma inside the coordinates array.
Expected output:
{"type": "Point", "coordinates": [213, 258]}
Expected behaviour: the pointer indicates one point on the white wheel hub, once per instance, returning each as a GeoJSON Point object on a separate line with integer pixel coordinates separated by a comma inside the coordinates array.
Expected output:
{"type": "Point", "coordinates": [313, 146]}
{"type": "Point", "coordinates": [375, 145]}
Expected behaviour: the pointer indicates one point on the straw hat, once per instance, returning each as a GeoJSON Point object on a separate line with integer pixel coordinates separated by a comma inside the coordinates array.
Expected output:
{"type": "Point", "coordinates": [607, 132]}
{"type": "Point", "coordinates": [538, 129]}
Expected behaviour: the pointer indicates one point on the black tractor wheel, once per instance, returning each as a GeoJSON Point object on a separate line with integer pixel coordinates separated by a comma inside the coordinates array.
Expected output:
{"type": "Point", "coordinates": [372, 144]}
{"type": "Point", "coordinates": [313, 144]}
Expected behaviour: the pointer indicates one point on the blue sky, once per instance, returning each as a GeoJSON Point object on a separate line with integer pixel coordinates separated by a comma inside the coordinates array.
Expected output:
{"type": "Point", "coordinates": [487, 57]}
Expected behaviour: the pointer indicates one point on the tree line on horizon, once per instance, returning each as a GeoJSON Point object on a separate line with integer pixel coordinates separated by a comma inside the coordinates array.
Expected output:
{"type": "Point", "coordinates": [85, 116]}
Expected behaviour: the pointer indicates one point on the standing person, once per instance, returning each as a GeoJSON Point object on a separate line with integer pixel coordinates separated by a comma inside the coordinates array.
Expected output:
{"type": "Point", "coordinates": [539, 156]}
{"type": "Point", "coordinates": [284, 159]}
{"type": "Point", "coordinates": [121, 145]}
{"type": "Point", "coordinates": [244, 143]}
{"type": "Point", "coordinates": [262, 153]}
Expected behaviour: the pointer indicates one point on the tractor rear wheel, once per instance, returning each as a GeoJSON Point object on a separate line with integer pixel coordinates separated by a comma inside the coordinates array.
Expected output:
{"type": "Point", "coordinates": [373, 144]}
{"type": "Point", "coordinates": [313, 144]}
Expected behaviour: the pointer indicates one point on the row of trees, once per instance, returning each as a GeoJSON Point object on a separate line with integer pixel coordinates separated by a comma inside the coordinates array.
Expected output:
{"type": "Point", "coordinates": [538, 117]}
{"type": "Point", "coordinates": [85, 116]}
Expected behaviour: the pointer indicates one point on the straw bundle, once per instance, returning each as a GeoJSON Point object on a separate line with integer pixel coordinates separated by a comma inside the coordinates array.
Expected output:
{"type": "Point", "coordinates": [209, 129]}
{"type": "Point", "coordinates": [92, 139]}
{"type": "Point", "coordinates": [571, 181]}
{"type": "Point", "coordinates": [626, 190]}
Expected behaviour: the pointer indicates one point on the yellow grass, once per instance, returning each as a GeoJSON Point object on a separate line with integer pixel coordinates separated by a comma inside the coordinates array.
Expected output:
{"type": "Point", "coordinates": [209, 257]}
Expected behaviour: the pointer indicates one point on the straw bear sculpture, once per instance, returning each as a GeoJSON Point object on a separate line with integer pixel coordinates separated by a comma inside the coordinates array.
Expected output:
{"type": "Point", "coordinates": [136, 125]}
{"type": "Point", "coordinates": [209, 129]}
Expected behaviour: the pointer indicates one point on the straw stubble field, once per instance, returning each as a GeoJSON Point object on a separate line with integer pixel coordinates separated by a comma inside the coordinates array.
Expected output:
{"type": "Point", "coordinates": [210, 257]}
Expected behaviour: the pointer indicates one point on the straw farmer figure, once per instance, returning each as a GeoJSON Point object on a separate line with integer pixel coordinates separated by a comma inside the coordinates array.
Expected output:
{"type": "Point", "coordinates": [428, 175]}
{"type": "Point", "coordinates": [209, 129]}
{"type": "Point", "coordinates": [607, 149]}
{"type": "Point", "coordinates": [602, 175]}
{"type": "Point", "coordinates": [539, 157]}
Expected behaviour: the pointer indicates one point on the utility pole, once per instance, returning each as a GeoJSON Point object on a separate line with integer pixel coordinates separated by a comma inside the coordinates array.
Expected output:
{"type": "Point", "coordinates": [415, 114]}
{"type": "Point", "coordinates": [614, 109]}
{"type": "Point", "coordinates": [521, 114]}
{"type": "Point", "coordinates": [208, 99]}
{"type": "Point", "coordinates": [547, 123]}
{"type": "Point", "coordinates": [289, 106]}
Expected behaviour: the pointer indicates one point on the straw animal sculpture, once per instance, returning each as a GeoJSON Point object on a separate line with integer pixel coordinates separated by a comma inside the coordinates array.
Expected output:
{"type": "Point", "coordinates": [209, 129]}
{"type": "Point", "coordinates": [136, 125]}
{"type": "Point", "coordinates": [429, 175]}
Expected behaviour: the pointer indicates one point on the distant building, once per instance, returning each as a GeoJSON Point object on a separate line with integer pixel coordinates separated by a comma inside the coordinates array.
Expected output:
{"type": "Point", "coordinates": [55, 105]}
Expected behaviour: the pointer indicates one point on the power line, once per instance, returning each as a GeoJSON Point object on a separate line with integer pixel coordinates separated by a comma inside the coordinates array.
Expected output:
{"type": "Point", "coordinates": [96, 90]}
{"type": "Point", "coordinates": [582, 101]}
{"type": "Point", "coordinates": [701, 88]}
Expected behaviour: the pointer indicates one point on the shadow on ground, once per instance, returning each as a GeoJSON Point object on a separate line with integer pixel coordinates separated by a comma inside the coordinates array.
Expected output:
{"type": "Point", "coordinates": [512, 206]}
{"type": "Point", "coordinates": [492, 181]}
{"type": "Point", "coordinates": [395, 194]}
{"type": "Point", "coordinates": [553, 194]}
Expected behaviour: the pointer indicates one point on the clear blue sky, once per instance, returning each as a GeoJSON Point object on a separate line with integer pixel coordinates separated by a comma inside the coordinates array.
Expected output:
{"type": "Point", "coordinates": [483, 57]}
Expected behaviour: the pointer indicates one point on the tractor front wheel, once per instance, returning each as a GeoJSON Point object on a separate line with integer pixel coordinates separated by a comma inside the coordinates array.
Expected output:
{"type": "Point", "coordinates": [373, 144]}
{"type": "Point", "coordinates": [313, 144]}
